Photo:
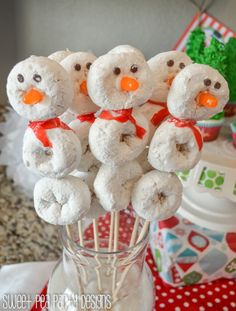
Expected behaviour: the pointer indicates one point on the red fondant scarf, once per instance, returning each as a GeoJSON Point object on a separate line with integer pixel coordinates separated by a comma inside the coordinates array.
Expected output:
{"type": "Point", "coordinates": [161, 115]}
{"type": "Point", "coordinates": [89, 117]}
{"type": "Point", "coordinates": [40, 127]}
{"type": "Point", "coordinates": [191, 125]}
{"type": "Point", "coordinates": [123, 116]}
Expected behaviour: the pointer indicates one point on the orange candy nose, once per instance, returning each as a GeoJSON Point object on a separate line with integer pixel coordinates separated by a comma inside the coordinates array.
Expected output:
{"type": "Point", "coordinates": [207, 100]}
{"type": "Point", "coordinates": [83, 88]}
{"type": "Point", "coordinates": [129, 84]}
{"type": "Point", "coordinates": [170, 79]}
{"type": "Point", "coordinates": [32, 97]}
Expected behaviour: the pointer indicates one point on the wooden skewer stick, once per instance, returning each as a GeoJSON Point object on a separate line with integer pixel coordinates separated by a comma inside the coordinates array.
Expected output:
{"type": "Point", "coordinates": [142, 234]}
{"type": "Point", "coordinates": [81, 241]}
{"type": "Point", "coordinates": [110, 243]}
{"type": "Point", "coordinates": [96, 246]}
{"type": "Point", "coordinates": [115, 248]}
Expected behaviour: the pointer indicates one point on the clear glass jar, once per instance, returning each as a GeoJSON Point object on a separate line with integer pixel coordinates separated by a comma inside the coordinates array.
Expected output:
{"type": "Point", "coordinates": [102, 279]}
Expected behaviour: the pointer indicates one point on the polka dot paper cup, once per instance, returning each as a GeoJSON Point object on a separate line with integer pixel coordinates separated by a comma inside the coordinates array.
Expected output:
{"type": "Point", "coordinates": [210, 128]}
{"type": "Point", "coordinates": [233, 130]}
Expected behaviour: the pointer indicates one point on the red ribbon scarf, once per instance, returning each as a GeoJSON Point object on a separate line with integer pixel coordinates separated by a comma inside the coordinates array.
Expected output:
{"type": "Point", "coordinates": [190, 124]}
{"type": "Point", "coordinates": [89, 117]}
{"type": "Point", "coordinates": [123, 116]}
{"type": "Point", "coordinates": [161, 115]}
{"type": "Point", "coordinates": [39, 128]}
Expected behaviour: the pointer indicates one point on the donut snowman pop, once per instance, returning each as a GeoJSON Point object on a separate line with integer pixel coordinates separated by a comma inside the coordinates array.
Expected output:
{"type": "Point", "coordinates": [40, 90]}
{"type": "Point", "coordinates": [118, 82]}
{"type": "Point", "coordinates": [164, 67]}
{"type": "Point", "coordinates": [198, 92]}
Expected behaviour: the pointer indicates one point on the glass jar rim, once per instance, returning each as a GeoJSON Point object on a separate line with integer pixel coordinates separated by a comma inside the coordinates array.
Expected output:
{"type": "Point", "coordinates": [78, 247]}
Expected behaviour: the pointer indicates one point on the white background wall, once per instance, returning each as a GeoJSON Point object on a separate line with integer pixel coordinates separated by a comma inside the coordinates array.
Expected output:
{"type": "Point", "coordinates": [43, 26]}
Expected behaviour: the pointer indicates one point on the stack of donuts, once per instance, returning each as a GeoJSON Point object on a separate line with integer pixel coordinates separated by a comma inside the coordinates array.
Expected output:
{"type": "Point", "coordinates": [109, 131]}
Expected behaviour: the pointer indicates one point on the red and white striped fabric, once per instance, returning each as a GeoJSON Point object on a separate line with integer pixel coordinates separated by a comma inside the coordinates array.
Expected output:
{"type": "Point", "coordinates": [210, 25]}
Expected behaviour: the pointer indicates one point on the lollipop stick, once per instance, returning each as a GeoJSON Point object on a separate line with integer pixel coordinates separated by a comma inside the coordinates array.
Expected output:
{"type": "Point", "coordinates": [115, 248]}
{"type": "Point", "coordinates": [96, 244]}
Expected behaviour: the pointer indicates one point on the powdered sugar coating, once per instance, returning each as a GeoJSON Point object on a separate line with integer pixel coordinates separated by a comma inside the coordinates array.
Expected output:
{"type": "Point", "coordinates": [77, 65]}
{"type": "Point", "coordinates": [188, 84]}
{"type": "Point", "coordinates": [104, 85]}
{"type": "Point", "coordinates": [173, 148]}
{"type": "Point", "coordinates": [61, 201]}
{"type": "Point", "coordinates": [55, 85]}
{"type": "Point", "coordinates": [157, 195]}
{"type": "Point", "coordinates": [58, 161]}
{"type": "Point", "coordinates": [58, 56]}
{"type": "Point", "coordinates": [115, 143]}
{"type": "Point", "coordinates": [113, 186]}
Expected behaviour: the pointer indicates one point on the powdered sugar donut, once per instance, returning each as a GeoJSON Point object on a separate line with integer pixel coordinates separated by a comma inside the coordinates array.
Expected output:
{"type": "Point", "coordinates": [120, 80]}
{"type": "Point", "coordinates": [54, 152]}
{"type": "Point", "coordinates": [61, 201]}
{"type": "Point", "coordinates": [38, 88]}
{"type": "Point", "coordinates": [175, 147]}
{"type": "Point", "coordinates": [78, 65]}
{"type": "Point", "coordinates": [157, 195]}
{"type": "Point", "coordinates": [81, 129]}
{"type": "Point", "coordinates": [113, 142]}
{"type": "Point", "coordinates": [58, 56]}
{"type": "Point", "coordinates": [96, 210]}
{"type": "Point", "coordinates": [113, 186]}
{"type": "Point", "coordinates": [198, 92]}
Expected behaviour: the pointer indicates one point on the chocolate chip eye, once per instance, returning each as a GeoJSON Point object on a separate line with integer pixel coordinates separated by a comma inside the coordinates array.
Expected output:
{"type": "Point", "coordinates": [181, 65]}
{"type": "Point", "coordinates": [37, 78]}
{"type": "Point", "coordinates": [77, 67]}
{"type": "Point", "coordinates": [217, 85]}
{"type": "Point", "coordinates": [170, 63]}
{"type": "Point", "coordinates": [134, 68]}
{"type": "Point", "coordinates": [20, 78]}
{"type": "Point", "coordinates": [88, 65]}
{"type": "Point", "coordinates": [207, 82]}
{"type": "Point", "coordinates": [116, 71]}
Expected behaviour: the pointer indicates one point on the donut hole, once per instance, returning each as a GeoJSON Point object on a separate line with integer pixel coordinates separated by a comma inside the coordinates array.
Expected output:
{"type": "Point", "coordinates": [182, 148]}
{"type": "Point", "coordinates": [124, 138]}
{"type": "Point", "coordinates": [48, 152]}
{"type": "Point", "coordinates": [160, 198]}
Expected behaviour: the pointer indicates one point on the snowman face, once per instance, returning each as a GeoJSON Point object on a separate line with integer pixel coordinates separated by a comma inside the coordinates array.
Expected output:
{"type": "Point", "coordinates": [120, 81]}
{"type": "Point", "coordinates": [39, 88]}
{"type": "Point", "coordinates": [165, 66]}
{"type": "Point", "coordinates": [60, 55]}
{"type": "Point", "coordinates": [78, 65]}
{"type": "Point", "coordinates": [198, 92]}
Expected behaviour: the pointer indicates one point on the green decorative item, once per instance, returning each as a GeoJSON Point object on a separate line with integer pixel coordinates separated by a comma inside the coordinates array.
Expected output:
{"type": "Point", "coordinates": [211, 179]}
{"type": "Point", "coordinates": [215, 56]}
{"type": "Point", "coordinates": [196, 44]}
